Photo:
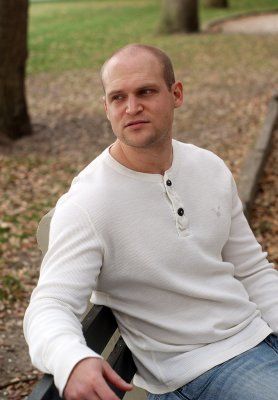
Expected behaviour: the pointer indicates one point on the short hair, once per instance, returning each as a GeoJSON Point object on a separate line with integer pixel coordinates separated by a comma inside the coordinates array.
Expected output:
{"type": "Point", "coordinates": [161, 56]}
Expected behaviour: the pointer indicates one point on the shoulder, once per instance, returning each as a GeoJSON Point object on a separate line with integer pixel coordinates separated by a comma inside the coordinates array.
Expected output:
{"type": "Point", "coordinates": [87, 186]}
{"type": "Point", "coordinates": [200, 163]}
{"type": "Point", "coordinates": [197, 155]}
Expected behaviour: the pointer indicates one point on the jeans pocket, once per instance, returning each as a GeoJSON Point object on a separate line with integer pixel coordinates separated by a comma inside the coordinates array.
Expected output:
{"type": "Point", "coordinates": [272, 341]}
{"type": "Point", "coordinates": [182, 393]}
{"type": "Point", "coordinates": [194, 389]}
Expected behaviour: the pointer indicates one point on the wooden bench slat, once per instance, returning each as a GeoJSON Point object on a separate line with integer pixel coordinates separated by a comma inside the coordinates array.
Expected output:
{"type": "Point", "coordinates": [122, 362]}
{"type": "Point", "coordinates": [99, 325]}
{"type": "Point", "coordinates": [45, 390]}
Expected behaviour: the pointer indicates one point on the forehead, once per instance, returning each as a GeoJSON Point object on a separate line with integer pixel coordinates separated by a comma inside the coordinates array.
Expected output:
{"type": "Point", "coordinates": [132, 68]}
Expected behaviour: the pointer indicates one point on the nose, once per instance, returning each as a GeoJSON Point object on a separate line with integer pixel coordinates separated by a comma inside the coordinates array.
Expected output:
{"type": "Point", "coordinates": [133, 105]}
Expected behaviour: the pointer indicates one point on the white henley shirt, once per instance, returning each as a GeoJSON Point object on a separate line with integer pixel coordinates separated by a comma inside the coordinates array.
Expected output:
{"type": "Point", "coordinates": [174, 258]}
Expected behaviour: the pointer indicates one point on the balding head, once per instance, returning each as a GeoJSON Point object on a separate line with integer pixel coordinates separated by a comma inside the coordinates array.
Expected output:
{"type": "Point", "coordinates": [133, 49]}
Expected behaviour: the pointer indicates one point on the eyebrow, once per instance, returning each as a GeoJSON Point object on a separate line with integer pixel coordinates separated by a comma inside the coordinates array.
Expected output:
{"type": "Point", "coordinates": [137, 90]}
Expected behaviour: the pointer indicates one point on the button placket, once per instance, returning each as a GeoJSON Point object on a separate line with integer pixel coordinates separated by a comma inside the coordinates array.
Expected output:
{"type": "Point", "coordinates": [177, 207]}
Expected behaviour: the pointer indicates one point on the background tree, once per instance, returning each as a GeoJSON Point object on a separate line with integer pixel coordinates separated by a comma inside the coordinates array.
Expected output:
{"type": "Point", "coordinates": [216, 3]}
{"type": "Point", "coordinates": [14, 118]}
{"type": "Point", "coordinates": [179, 16]}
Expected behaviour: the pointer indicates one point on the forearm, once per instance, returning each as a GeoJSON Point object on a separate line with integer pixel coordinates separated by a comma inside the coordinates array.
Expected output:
{"type": "Point", "coordinates": [55, 339]}
{"type": "Point", "coordinates": [262, 288]}
{"type": "Point", "coordinates": [251, 266]}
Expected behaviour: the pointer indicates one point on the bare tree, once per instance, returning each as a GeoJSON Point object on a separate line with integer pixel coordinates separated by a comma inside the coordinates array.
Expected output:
{"type": "Point", "coordinates": [179, 16]}
{"type": "Point", "coordinates": [216, 3]}
{"type": "Point", "coordinates": [14, 118]}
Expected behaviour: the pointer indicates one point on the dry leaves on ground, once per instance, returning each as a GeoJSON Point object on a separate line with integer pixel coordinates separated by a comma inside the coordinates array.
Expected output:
{"type": "Point", "coordinates": [70, 129]}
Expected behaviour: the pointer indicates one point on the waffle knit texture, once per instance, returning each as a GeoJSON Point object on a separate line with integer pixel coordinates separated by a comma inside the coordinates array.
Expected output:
{"type": "Point", "coordinates": [174, 258]}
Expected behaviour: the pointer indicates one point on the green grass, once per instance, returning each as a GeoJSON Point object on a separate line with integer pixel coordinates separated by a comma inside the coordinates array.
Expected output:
{"type": "Point", "coordinates": [76, 34]}
{"type": "Point", "coordinates": [10, 288]}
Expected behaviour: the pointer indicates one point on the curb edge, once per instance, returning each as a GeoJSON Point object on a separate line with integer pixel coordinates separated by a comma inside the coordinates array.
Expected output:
{"type": "Point", "coordinates": [253, 166]}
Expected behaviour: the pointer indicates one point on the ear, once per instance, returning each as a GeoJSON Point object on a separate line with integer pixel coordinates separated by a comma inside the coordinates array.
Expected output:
{"type": "Point", "coordinates": [105, 108]}
{"type": "Point", "coordinates": [177, 90]}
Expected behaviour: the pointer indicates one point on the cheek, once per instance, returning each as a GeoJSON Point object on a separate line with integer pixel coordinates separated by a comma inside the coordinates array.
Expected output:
{"type": "Point", "coordinates": [167, 113]}
{"type": "Point", "coordinates": [115, 121]}
{"type": "Point", "coordinates": [115, 114]}
{"type": "Point", "coordinates": [110, 115]}
{"type": "Point", "coordinates": [164, 107]}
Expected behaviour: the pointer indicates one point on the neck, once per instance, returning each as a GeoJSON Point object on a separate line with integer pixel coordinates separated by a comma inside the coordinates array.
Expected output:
{"type": "Point", "coordinates": [147, 160]}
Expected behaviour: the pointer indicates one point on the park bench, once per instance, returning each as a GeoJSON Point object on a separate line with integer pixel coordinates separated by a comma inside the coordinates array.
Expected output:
{"type": "Point", "coordinates": [99, 326]}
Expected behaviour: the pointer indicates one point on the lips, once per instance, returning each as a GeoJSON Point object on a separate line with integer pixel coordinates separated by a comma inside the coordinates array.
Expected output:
{"type": "Point", "coordinates": [136, 123]}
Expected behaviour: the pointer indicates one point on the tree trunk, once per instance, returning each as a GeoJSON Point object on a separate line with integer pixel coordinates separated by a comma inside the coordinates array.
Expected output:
{"type": "Point", "coordinates": [179, 16]}
{"type": "Point", "coordinates": [14, 118]}
{"type": "Point", "coordinates": [216, 3]}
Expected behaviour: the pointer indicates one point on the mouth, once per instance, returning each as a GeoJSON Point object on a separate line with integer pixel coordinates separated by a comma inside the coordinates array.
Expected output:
{"type": "Point", "coordinates": [136, 123]}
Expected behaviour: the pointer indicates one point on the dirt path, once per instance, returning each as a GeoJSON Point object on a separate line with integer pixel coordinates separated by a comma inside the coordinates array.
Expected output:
{"type": "Point", "coordinates": [263, 24]}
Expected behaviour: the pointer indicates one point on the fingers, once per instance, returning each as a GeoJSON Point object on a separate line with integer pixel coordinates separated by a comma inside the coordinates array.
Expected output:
{"type": "Point", "coordinates": [88, 381]}
{"type": "Point", "coordinates": [96, 389]}
{"type": "Point", "coordinates": [111, 376]}
{"type": "Point", "coordinates": [104, 392]}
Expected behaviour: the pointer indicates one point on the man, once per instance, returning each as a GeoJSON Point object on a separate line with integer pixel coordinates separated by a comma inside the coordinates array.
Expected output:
{"type": "Point", "coordinates": [154, 229]}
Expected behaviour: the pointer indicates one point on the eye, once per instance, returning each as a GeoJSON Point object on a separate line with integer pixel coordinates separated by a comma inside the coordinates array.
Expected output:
{"type": "Point", "coordinates": [147, 91]}
{"type": "Point", "coordinates": [117, 97]}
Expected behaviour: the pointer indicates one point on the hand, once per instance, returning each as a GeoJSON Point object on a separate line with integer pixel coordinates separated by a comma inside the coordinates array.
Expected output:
{"type": "Point", "coordinates": [88, 381]}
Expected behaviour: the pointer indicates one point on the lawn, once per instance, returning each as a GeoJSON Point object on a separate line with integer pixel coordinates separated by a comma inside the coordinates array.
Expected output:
{"type": "Point", "coordinates": [75, 34]}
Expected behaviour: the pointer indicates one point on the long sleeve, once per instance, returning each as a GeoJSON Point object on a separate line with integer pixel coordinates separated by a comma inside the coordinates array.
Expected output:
{"type": "Point", "coordinates": [68, 275]}
{"type": "Point", "coordinates": [186, 288]}
{"type": "Point", "coordinates": [252, 268]}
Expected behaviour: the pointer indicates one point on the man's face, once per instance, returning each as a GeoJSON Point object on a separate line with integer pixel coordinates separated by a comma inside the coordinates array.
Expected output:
{"type": "Point", "coordinates": [138, 103]}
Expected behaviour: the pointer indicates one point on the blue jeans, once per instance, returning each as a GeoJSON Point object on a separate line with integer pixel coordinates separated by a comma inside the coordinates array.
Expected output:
{"type": "Point", "coordinates": [253, 375]}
